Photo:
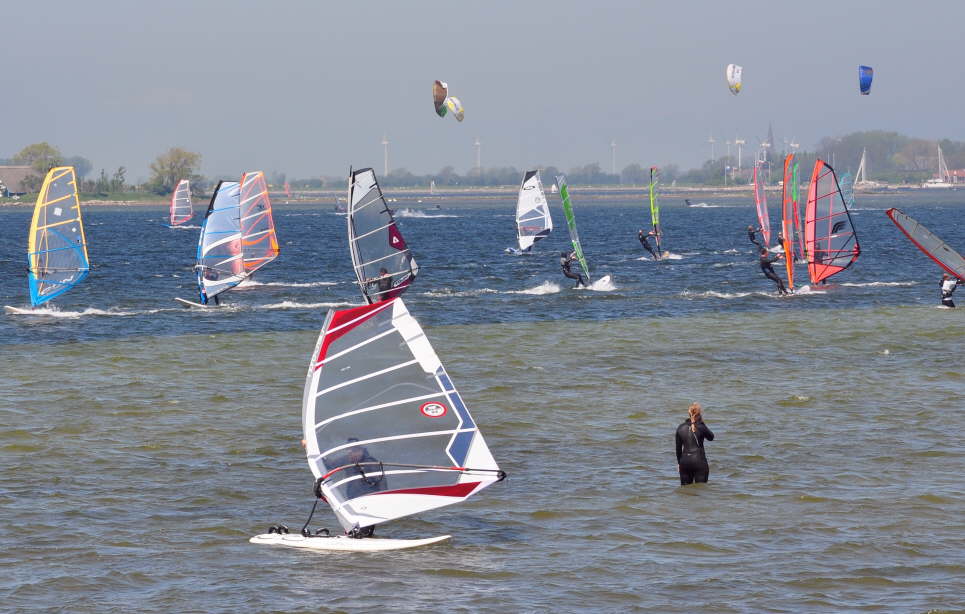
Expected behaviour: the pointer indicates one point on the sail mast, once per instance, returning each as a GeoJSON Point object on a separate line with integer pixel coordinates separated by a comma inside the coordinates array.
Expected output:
{"type": "Point", "coordinates": [571, 224]}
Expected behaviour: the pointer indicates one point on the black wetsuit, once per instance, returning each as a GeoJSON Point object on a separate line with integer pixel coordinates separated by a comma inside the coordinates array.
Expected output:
{"type": "Point", "coordinates": [646, 245]}
{"type": "Point", "coordinates": [752, 235]}
{"type": "Point", "coordinates": [690, 452]}
{"type": "Point", "coordinates": [948, 290]}
{"type": "Point", "coordinates": [770, 274]}
{"type": "Point", "coordinates": [565, 262]}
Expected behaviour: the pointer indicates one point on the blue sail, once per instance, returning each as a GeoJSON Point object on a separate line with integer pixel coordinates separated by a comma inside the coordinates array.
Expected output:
{"type": "Point", "coordinates": [57, 251]}
{"type": "Point", "coordinates": [220, 259]}
{"type": "Point", "coordinates": [865, 75]}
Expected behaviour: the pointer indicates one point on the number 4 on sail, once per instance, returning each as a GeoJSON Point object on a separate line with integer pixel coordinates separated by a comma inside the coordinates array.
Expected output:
{"type": "Point", "coordinates": [385, 431]}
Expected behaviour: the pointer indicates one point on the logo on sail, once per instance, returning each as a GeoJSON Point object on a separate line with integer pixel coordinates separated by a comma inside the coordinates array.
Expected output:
{"type": "Point", "coordinates": [433, 409]}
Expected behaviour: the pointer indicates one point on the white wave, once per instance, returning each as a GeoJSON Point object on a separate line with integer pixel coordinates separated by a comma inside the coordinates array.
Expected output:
{"type": "Point", "coordinates": [671, 256]}
{"type": "Point", "coordinates": [54, 312]}
{"type": "Point", "coordinates": [704, 206]}
{"type": "Point", "coordinates": [294, 305]}
{"type": "Point", "coordinates": [450, 292]}
{"type": "Point", "coordinates": [281, 284]}
{"type": "Point", "coordinates": [879, 283]}
{"type": "Point", "coordinates": [547, 287]}
{"type": "Point", "coordinates": [184, 227]}
{"type": "Point", "coordinates": [420, 214]}
{"type": "Point", "coordinates": [721, 265]}
{"type": "Point", "coordinates": [806, 290]}
{"type": "Point", "coordinates": [604, 284]}
{"type": "Point", "coordinates": [730, 251]}
{"type": "Point", "coordinates": [726, 295]}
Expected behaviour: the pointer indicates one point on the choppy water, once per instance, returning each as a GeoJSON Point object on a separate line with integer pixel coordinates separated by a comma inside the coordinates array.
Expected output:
{"type": "Point", "coordinates": [139, 452]}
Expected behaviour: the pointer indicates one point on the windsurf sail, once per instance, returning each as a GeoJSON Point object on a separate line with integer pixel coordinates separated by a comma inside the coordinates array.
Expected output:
{"type": "Point", "coordinates": [865, 75]}
{"type": "Point", "coordinates": [571, 225]}
{"type": "Point", "coordinates": [795, 204]}
{"type": "Point", "coordinates": [787, 219]}
{"type": "Point", "coordinates": [655, 209]}
{"type": "Point", "coordinates": [56, 248]}
{"type": "Point", "coordinates": [760, 201]}
{"type": "Point", "coordinates": [259, 242]}
{"type": "Point", "coordinates": [829, 234]}
{"type": "Point", "coordinates": [181, 209]}
{"type": "Point", "coordinates": [932, 246]}
{"type": "Point", "coordinates": [220, 257]}
{"type": "Point", "coordinates": [382, 261]}
{"type": "Point", "coordinates": [735, 79]}
{"type": "Point", "coordinates": [533, 220]}
{"type": "Point", "coordinates": [387, 434]}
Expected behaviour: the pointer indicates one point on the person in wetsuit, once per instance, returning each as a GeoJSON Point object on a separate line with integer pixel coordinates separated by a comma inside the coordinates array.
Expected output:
{"type": "Point", "coordinates": [752, 235]}
{"type": "Point", "coordinates": [689, 444]}
{"type": "Point", "coordinates": [371, 477]}
{"type": "Point", "coordinates": [566, 261]}
{"type": "Point", "coordinates": [948, 285]}
{"type": "Point", "coordinates": [646, 245]}
{"type": "Point", "coordinates": [766, 262]}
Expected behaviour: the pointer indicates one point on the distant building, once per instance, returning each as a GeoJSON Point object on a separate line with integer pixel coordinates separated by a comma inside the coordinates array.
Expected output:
{"type": "Point", "coordinates": [12, 178]}
{"type": "Point", "coordinates": [956, 176]}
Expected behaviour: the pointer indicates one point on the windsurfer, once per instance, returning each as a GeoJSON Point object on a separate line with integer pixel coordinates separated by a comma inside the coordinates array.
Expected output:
{"type": "Point", "coordinates": [948, 285]}
{"type": "Point", "coordinates": [566, 261]}
{"type": "Point", "coordinates": [366, 475]}
{"type": "Point", "coordinates": [752, 235]}
{"type": "Point", "coordinates": [383, 283]}
{"type": "Point", "coordinates": [646, 245]}
{"type": "Point", "coordinates": [766, 263]}
{"type": "Point", "coordinates": [689, 442]}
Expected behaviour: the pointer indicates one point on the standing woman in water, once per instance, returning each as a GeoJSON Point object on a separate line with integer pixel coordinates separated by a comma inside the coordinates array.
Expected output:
{"type": "Point", "coordinates": [691, 460]}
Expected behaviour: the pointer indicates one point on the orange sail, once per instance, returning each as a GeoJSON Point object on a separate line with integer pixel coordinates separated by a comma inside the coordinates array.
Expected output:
{"type": "Point", "coordinates": [787, 221]}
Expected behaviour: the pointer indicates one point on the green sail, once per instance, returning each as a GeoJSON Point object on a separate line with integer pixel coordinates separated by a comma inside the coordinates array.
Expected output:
{"type": "Point", "coordinates": [571, 224]}
{"type": "Point", "coordinates": [655, 208]}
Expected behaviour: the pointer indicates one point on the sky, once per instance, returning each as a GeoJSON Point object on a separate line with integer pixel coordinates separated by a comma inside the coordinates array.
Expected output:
{"type": "Point", "coordinates": [309, 88]}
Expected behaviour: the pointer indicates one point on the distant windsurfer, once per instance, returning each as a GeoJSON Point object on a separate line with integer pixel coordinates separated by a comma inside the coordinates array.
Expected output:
{"type": "Point", "coordinates": [566, 261]}
{"type": "Point", "coordinates": [689, 443]}
{"type": "Point", "coordinates": [948, 285]}
{"type": "Point", "coordinates": [646, 244]}
{"type": "Point", "coordinates": [752, 235]}
{"type": "Point", "coordinates": [766, 262]}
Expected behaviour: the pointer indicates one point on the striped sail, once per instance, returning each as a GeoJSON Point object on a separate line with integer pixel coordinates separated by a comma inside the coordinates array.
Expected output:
{"type": "Point", "coordinates": [571, 224]}
{"type": "Point", "coordinates": [533, 220]}
{"type": "Point", "coordinates": [259, 242]}
{"type": "Point", "coordinates": [220, 261]}
{"type": "Point", "coordinates": [56, 248]}
{"type": "Point", "coordinates": [381, 259]}
{"type": "Point", "coordinates": [932, 246]}
{"type": "Point", "coordinates": [387, 434]}
{"type": "Point", "coordinates": [181, 209]}
{"type": "Point", "coordinates": [829, 234]}
{"type": "Point", "coordinates": [787, 219]}
{"type": "Point", "coordinates": [655, 208]}
{"type": "Point", "coordinates": [760, 201]}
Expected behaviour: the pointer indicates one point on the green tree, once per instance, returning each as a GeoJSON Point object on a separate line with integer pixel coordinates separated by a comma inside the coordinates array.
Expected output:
{"type": "Point", "coordinates": [41, 157]}
{"type": "Point", "coordinates": [171, 167]}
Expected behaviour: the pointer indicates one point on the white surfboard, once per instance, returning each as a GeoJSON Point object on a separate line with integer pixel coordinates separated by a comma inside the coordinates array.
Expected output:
{"type": "Point", "coordinates": [16, 311]}
{"type": "Point", "coordinates": [343, 543]}
{"type": "Point", "coordinates": [186, 303]}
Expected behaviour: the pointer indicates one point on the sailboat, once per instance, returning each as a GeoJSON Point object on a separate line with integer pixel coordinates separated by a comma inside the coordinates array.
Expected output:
{"type": "Point", "coordinates": [181, 210]}
{"type": "Point", "coordinates": [56, 247]}
{"type": "Point", "coordinates": [930, 245]}
{"type": "Point", "coordinates": [382, 261]}
{"type": "Point", "coordinates": [829, 234]}
{"type": "Point", "coordinates": [385, 431]}
{"type": "Point", "coordinates": [760, 201]}
{"type": "Point", "coordinates": [533, 219]}
{"type": "Point", "coordinates": [571, 226]}
{"type": "Point", "coordinates": [655, 209]}
{"type": "Point", "coordinates": [943, 180]}
{"type": "Point", "coordinates": [237, 237]}
{"type": "Point", "coordinates": [861, 181]}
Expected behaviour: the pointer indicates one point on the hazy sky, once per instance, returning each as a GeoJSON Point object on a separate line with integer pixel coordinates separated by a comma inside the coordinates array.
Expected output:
{"type": "Point", "coordinates": [309, 87]}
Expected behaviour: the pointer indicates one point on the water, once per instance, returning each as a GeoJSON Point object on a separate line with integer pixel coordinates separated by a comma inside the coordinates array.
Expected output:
{"type": "Point", "coordinates": [140, 451]}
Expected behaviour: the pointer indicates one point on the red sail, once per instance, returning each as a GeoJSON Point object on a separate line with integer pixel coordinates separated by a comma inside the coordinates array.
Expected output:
{"type": "Point", "coordinates": [829, 236]}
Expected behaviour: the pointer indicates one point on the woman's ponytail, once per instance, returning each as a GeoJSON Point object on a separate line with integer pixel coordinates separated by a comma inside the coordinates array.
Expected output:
{"type": "Point", "coordinates": [694, 411]}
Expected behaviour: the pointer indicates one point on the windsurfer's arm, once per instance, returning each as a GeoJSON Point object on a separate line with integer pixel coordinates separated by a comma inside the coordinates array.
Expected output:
{"type": "Point", "coordinates": [707, 433]}
{"type": "Point", "coordinates": [679, 446]}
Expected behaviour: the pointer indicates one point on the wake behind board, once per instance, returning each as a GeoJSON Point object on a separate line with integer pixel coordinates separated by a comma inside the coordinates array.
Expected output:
{"type": "Point", "coordinates": [186, 303]}
{"type": "Point", "coordinates": [343, 543]}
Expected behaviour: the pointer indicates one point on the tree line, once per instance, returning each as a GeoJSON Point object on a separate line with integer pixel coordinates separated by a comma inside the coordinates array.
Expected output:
{"type": "Point", "coordinates": [891, 157]}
